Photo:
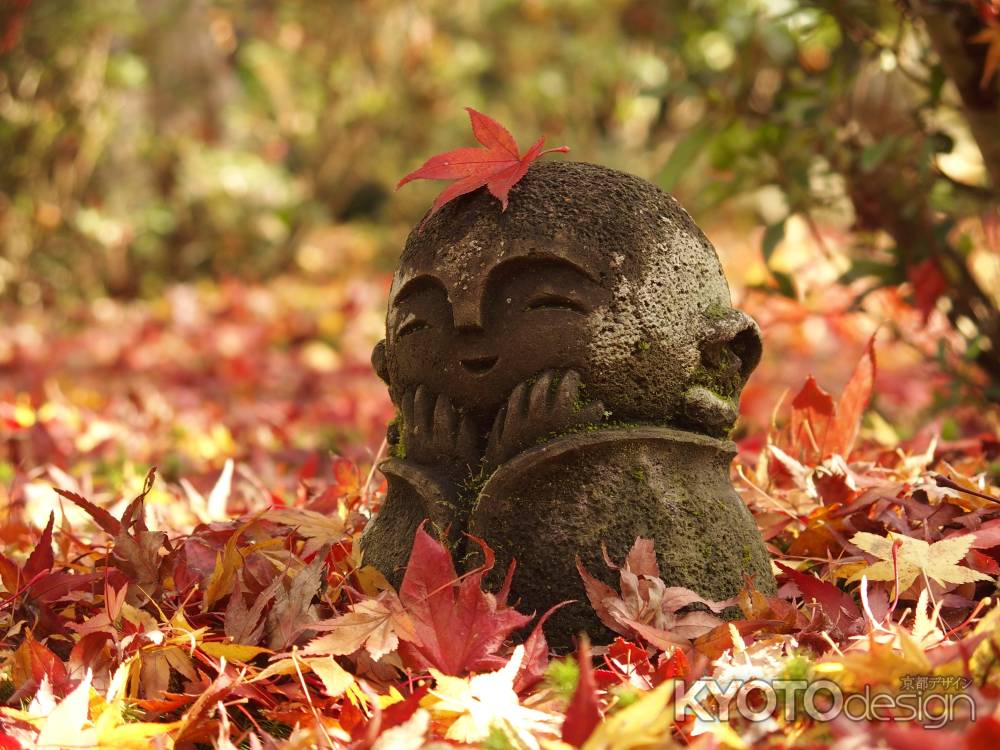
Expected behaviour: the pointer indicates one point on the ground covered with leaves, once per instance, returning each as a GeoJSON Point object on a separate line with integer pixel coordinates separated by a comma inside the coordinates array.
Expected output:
{"type": "Point", "coordinates": [220, 599]}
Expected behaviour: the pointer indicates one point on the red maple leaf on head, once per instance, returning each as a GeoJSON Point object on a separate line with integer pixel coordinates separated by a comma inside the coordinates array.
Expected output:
{"type": "Point", "coordinates": [498, 165]}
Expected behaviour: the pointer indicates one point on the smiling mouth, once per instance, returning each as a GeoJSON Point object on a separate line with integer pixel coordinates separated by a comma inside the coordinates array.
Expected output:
{"type": "Point", "coordinates": [479, 365]}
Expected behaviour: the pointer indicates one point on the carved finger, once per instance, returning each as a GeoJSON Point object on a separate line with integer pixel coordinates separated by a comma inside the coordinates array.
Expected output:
{"type": "Point", "coordinates": [569, 402]}
{"type": "Point", "coordinates": [423, 411]}
{"type": "Point", "coordinates": [569, 388]}
{"type": "Point", "coordinates": [406, 409]}
{"type": "Point", "coordinates": [539, 400]}
{"type": "Point", "coordinates": [517, 410]}
{"type": "Point", "coordinates": [445, 424]}
{"type": "Point", "coordinates": [495, 439]}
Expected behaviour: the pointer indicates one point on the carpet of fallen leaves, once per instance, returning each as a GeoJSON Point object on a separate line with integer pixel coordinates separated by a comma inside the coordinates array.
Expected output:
{"type": "Point", "coordinates": [219, 600]}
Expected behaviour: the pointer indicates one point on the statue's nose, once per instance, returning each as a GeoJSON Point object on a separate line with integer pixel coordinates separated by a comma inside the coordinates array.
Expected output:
{"type": "Point", "coordinates": [468, 315]}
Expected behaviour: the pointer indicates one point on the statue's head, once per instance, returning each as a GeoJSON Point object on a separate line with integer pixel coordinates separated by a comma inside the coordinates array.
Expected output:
{"type": "Point", "coordinates": [589, 269]}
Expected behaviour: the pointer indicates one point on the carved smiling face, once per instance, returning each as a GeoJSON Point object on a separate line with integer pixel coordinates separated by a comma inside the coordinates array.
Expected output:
{"type": "Point", "coordinates": [589, 269]}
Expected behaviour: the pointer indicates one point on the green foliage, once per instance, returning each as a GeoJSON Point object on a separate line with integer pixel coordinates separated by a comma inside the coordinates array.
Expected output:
{"type": "Point", "coordinates": [562, 676]}
{"type": "Point", "coordinates": [148, 142]}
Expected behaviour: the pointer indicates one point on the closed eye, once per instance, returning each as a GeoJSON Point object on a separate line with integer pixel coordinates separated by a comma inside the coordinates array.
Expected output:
{"type": "Point", "coordinates": [556, 302]}
{"type": "Point", "coordinates": [413, 326]}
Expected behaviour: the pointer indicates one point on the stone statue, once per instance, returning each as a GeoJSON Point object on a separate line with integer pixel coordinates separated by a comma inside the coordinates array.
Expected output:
{"type": "Point", "coordinates": [566, 373]}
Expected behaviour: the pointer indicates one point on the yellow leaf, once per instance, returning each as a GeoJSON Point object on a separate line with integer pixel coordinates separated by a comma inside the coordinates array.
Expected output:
{"type": "Point", "coordinates": [371, 581]}
{"type": "Point", "coordinates": [646, 723]}
{"type": "Point", "coordinates": [938, 561]}
{"type": "Point", "coordinates": [984, 657]}
{"type": "Point", "coordinates": [309, 523]}
{"type": "Point", "coordinates": [280, 667]}
{"type": "Point", "coordinates": [134, 736]}
{"type": "Point", "coordinates": [227, 563]}
{"type": "Point", "coordinates": [65, 726]}
{"type": "Point", "coordinates": [234, 652]}
{"type": "Point", "coordinates": [369, 625]}
{"type": "Point", "coordinates": [335, 678]}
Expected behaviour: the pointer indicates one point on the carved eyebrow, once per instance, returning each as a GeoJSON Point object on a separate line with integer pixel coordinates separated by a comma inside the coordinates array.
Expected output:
{"type": "Point", "coordinates": [416, 285]}
{"type": "Point", "coordinates": [549, 260]}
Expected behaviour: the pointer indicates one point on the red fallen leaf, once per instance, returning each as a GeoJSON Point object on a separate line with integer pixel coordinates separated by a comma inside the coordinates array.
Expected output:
{"type": "Point", "coordinates": [166, 703]}
{"type": "Point", "coordinates": [35, 661]}
{"type": "Point", "coordinates": [400, 712]}
{"type": "Point", "coordinates": [8, 743]}
{"type": "Point", "coordinates": [629, 657]}
{"type": "Point", "coordinates": [53, 586]}
{"type": "Point", "coordinates": [846, 423]}
{"type": "Point", "coordinates": [10, 574]}
{"type": "Point", "coordinates": [583, 712]}
{"type": "Point", "coordinates": [365, 731]}
{"type": "Point", "coordinates": [813, 398]}
{"type": "Point", "coordinates": [536, 654]}
{"type": "Point", "coordinates": [101, 517]}
{"type": "Point", "coordinates": [193, 720]}
{"type": "Point", "coordinates": [814, 407]}
{"type": "Point", "coordinates": [838, 605]}
{"type": "Point", "coordinates": [310, 467]}
{"type": "Point", "coordinates": [987, 535]}
{"type": "Point", "coordinates": [983, 563]}
{"type": "Point", "coordinates": [641, 559]}
{"type": "Point", "coordinates": [675, 666]}
{"type": "Point", "coordinates": [928, 285]}
{"type": "Point", "coordinates": [983, 734]}
{"type": "Point", "coordinates": [456, 626]}
{"type": "Point", "coordinates": [647, 607]}
{"type": "Point", "coordinates": [714, 643]}
{"type": "Point", "coordinates": [599, 594]}
{"type": "Point", "coordinates": [498, 165]}
{"type": "Point", "coordinates": [41, 559]}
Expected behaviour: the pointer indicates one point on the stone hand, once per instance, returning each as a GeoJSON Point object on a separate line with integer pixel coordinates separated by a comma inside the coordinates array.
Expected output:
{"type": "Point", "coordinates": [435, 433]}
{"type": "Point", "coordinates": [534, 411]}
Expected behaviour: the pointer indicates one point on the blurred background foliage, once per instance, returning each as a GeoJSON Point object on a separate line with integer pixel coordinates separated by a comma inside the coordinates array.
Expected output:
{"type": "Point", "coordinates": [146, 142]}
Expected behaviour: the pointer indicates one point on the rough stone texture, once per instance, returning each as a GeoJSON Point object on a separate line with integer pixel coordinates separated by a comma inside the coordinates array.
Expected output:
{"type": "Point", "coordinates": [592, 306]}
{"type": "Point", "coordinates": [572, 495]}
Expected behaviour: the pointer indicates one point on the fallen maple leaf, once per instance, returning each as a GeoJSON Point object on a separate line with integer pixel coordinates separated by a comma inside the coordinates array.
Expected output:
{"type": "Point", "coordinates": [34, 661]}
{"type": "Point", "coordinates": [647, 607]}
{"type": "Point", "coordinates": [487, 702]}
{"type": "Point", "coordinates": [836, 604]}
{"type": "Point", "coordinates": [583, 713]}
{"type": "Point", "coordinates": [499, 165]}
{"type": "Point", "coordinates": [938, 561]}
{"type": "Point", "coordinates": [820, 428]}
{"type": "Point", "coordinates": [41, 559]}
{"type": "Point", "coordinates": [644, 724]}
{"type": "Point", "coordinates": [456, 626]}
{"type": "Point", "coordinates": [369, 624]}
{"type": "Point", "coordinates": [292, 609]}
{"type": "Point", "coordinates": [846, 423]}
{"type": "Point", "coordinates": [536, 653]}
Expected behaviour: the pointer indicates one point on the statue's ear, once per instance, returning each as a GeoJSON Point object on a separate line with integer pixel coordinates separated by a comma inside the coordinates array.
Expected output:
{"type": "Point", "coordinates": [379, 363]}
{"type": "Point", "coordinates": [733, 334]}
{"type": "Point", "coordinates": [730, 350]}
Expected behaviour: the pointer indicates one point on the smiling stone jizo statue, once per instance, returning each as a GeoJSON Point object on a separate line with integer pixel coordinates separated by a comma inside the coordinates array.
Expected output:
{"type": "Point", "coordinates": [566, 373]}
